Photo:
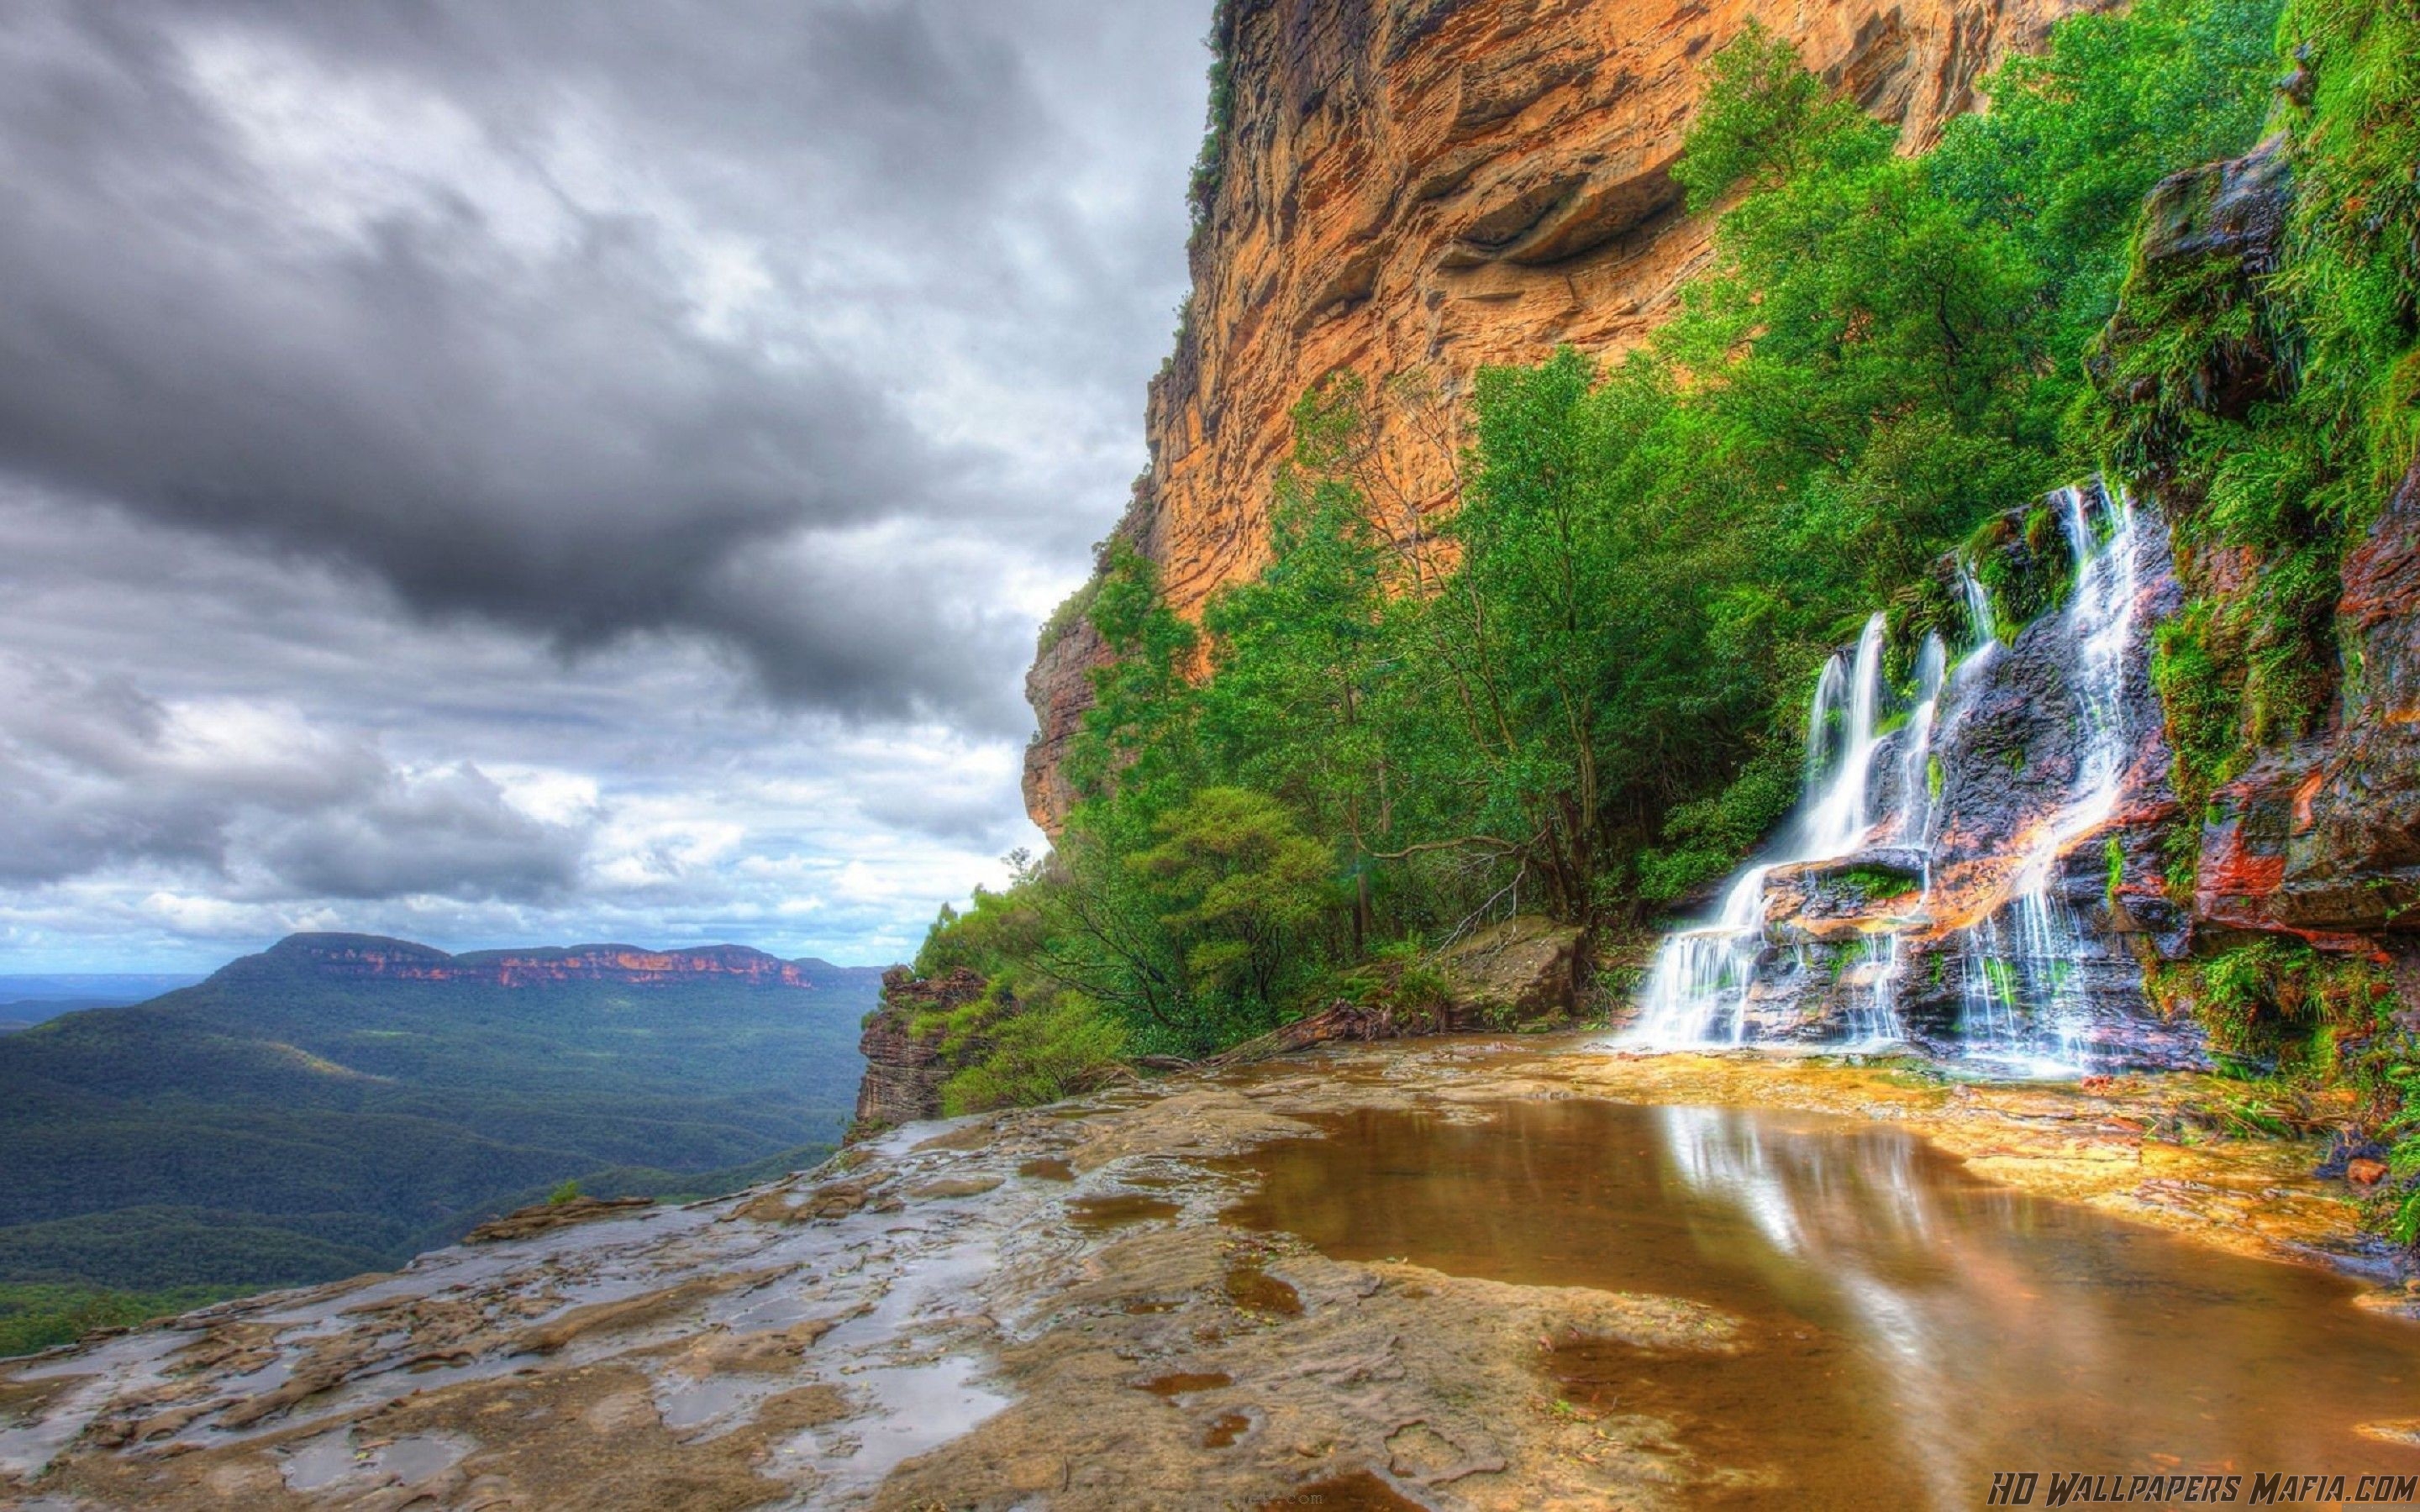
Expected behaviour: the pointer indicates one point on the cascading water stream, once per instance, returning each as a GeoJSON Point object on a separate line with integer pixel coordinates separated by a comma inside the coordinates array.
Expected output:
{"type": "Point", "coordinates": [2020, 996]}
{"type": "Point", "coordinates": [1913, 806]}
{"type": "Point", "coordinates": [2020, 964]}
{"type": "Point", "coordinates": [1978, 614]}
{"type": "Point", "coordinates": [1696, 992]}
{"type": "Point", "coordinates": [1839, 814]}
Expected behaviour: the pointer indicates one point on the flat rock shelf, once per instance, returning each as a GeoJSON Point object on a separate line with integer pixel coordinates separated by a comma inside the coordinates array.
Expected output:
{"type": "Point", "coordinates": [1449, 1273]}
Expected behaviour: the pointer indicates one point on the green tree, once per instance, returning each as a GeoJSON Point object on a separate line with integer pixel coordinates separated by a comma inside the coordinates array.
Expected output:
{"type": "Point", "coordinates": [1241, 890]}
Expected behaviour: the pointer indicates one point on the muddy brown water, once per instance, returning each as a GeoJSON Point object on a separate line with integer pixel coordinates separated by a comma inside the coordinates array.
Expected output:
{"type": "Point", "coordinates": [1910, 1328]}
{"type": "Point", "coordinates": [1117, 1209]}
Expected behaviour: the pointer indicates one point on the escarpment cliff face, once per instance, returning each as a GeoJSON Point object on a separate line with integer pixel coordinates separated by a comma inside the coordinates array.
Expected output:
{"type": "Point", "coordinates": [1412, 189]}
{"type": "Point", "coordinates": [368, 957]}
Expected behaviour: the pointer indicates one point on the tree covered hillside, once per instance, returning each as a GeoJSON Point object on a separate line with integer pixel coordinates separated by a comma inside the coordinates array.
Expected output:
{"type": "Point", "coordinates": [289, 1121]}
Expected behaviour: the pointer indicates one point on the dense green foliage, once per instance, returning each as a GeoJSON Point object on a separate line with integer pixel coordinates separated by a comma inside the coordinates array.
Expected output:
{"type": "Point", "coordinates": [276, 1125]}
{"type": "Point", "coordinates": [2314, 1040]}
{"type": "Point", "coordinates": [2273, 400]}
{"type": "Point", "coordinates": [1578, 692]}
{"type": "Point", "coordinates": [2278, 1006]}
{"type": "Point", "coordinates": [2276, 407]}
{"type": "Point", "coordinates": [36, 1316]}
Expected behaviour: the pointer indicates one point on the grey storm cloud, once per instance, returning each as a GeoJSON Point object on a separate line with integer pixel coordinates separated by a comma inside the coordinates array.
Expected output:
{"type": "Point", "coordinates": [497, 471]}
{"type": "Point", "coordinates": [95, 771]}
{"type": "Point", "coordinates": [604, 321]}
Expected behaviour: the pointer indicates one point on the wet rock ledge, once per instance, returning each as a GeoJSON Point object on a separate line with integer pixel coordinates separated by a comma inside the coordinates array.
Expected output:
{"type": "Point", "coordinates": [1037, 1307]}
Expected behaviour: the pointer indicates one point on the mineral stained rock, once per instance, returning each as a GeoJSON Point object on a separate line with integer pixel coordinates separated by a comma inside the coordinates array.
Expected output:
{"type": "Point", "coordinates": [2324, 840]}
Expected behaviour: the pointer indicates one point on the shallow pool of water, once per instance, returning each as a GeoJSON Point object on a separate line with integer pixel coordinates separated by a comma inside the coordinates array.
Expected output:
{"type": "Point", "coordinates": [1910, 1328]}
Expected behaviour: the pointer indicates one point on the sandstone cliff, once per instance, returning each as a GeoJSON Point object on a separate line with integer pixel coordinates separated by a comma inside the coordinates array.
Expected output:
{"type": "Point", "coordinates": [1415, 189]}
{"type": "Point", "coordinates": [904, 1070]}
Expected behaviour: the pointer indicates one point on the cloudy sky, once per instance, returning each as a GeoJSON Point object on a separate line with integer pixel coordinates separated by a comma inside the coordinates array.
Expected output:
{"type": "Point", "coordinates": [551, 472]}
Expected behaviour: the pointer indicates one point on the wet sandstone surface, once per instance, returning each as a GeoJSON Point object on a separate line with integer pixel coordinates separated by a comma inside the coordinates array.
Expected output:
{"type": "Point", "coordinates": [1461, 1273]}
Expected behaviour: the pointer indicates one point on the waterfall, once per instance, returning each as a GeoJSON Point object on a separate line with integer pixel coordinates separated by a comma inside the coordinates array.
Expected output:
{"type": "Point", "coordinates": [1873, 1012]}
{"type": "Point", "coordinates": [2021, 989]}
{"type": "Point", "coordinates": [1839, 815]}
{"type": "Point", "coordinates": [1978, 610]}
{"type": "Point", "coordinates": [1913, 806]}
{"type": "Point", "coordinates": [2014, 978]}
{"type": "Point", "coordinates": [1701, 976]}
{"type": "Point", "coordinates": [1696, 992]}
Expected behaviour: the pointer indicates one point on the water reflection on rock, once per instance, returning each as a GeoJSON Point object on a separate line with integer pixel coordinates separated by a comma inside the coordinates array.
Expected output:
{"type": "Point", "coordinates": [1914, 1328]}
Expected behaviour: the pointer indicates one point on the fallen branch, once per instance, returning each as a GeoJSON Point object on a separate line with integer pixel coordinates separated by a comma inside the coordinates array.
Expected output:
{"type": "Point", "coordinates": [1341, 1020]}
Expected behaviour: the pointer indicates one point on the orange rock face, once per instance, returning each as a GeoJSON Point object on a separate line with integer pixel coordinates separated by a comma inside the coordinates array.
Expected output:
{"type": "Point", "coordinates": [1421, 188]}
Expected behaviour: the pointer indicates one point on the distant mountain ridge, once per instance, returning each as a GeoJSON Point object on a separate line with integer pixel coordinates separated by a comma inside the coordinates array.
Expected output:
{"type": "Point", "coordinates": [88, 986]}
{"type": "Point", "coordinates": [375, 957]}
{"type": "Point", "coordinates": [339, 1103]}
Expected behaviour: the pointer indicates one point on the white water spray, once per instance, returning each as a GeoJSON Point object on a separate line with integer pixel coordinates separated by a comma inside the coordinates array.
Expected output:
{"type": "Point", "coordinates": [2023, 993]}
{"type": "Point", "coordinates": [1696, 992]}
{"type": "Point", "coordinates": [2022, 988]}
{"type": "Point", "coordinates": [1913, 806]}
{"type": "Point", "coordinates": [1978, 613]}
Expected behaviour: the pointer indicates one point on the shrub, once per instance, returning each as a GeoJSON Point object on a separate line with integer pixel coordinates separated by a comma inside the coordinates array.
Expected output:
{"type": "Point", "coordinates": [1038, 1052]}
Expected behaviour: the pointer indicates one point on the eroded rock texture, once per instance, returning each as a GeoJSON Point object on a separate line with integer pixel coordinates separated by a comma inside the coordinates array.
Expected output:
{"type": "Point", "coordinates": [1042, 1307]}
{"type": "Point", "coordinates": [904, 1069]}
{"type": "Point", "coordinates": [1415, 189]}
{"type": "Point", "coordinates": [2324, 840]}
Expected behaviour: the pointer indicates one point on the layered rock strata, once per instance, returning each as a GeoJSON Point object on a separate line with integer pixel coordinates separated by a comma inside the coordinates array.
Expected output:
{"type": "Point", "coordinates": [368, 957]}
{"type": "Point", "coordinates": [1415, 189]}
{"type": "Point", "coordinates": [2323, 841]}
{"type": "Point", "coordinates": [904, 1069]}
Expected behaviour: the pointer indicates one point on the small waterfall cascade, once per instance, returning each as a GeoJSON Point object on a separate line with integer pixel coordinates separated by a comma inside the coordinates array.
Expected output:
{"type": "Point", "coordinates": [1913, 808]}
{"type": "Point", "coordinates": [2019, 976]}
{"type": "Point", "coordinates": [1978, 613]}
{"type": "Point", "coordinates": [1803, 951]}
{"type": "Point", "coordinates": [1838, 816]}
{"type": "Point", "coordinates": [1697, 991]}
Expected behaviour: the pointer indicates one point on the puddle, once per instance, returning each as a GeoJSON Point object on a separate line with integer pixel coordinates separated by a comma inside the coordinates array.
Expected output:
{"type": "Point", "coordinates": [45, 1427]}
{"type": "Point", "coordinates": [1225, 1429]}
{"type": "Point", "coordinates": [1911, 1327]}
{"type": "Point", "coordinates": [1048, 1168]}
{"type": "Point", "coordinates": [414, 1459]}
{"type": "Point", "coordinates": [333, 1460]}
{"type": "Point", "coordinates": [1255, 1290]}
{"type": "Point", "coordinates": [321, 1462]}
{"type": "Point", "coordinates": [1094, 1215]}
{"type": "Point", "coordinates": [922, 1406]}
{"type": "Point", "coordinates": [1179, 1382]}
